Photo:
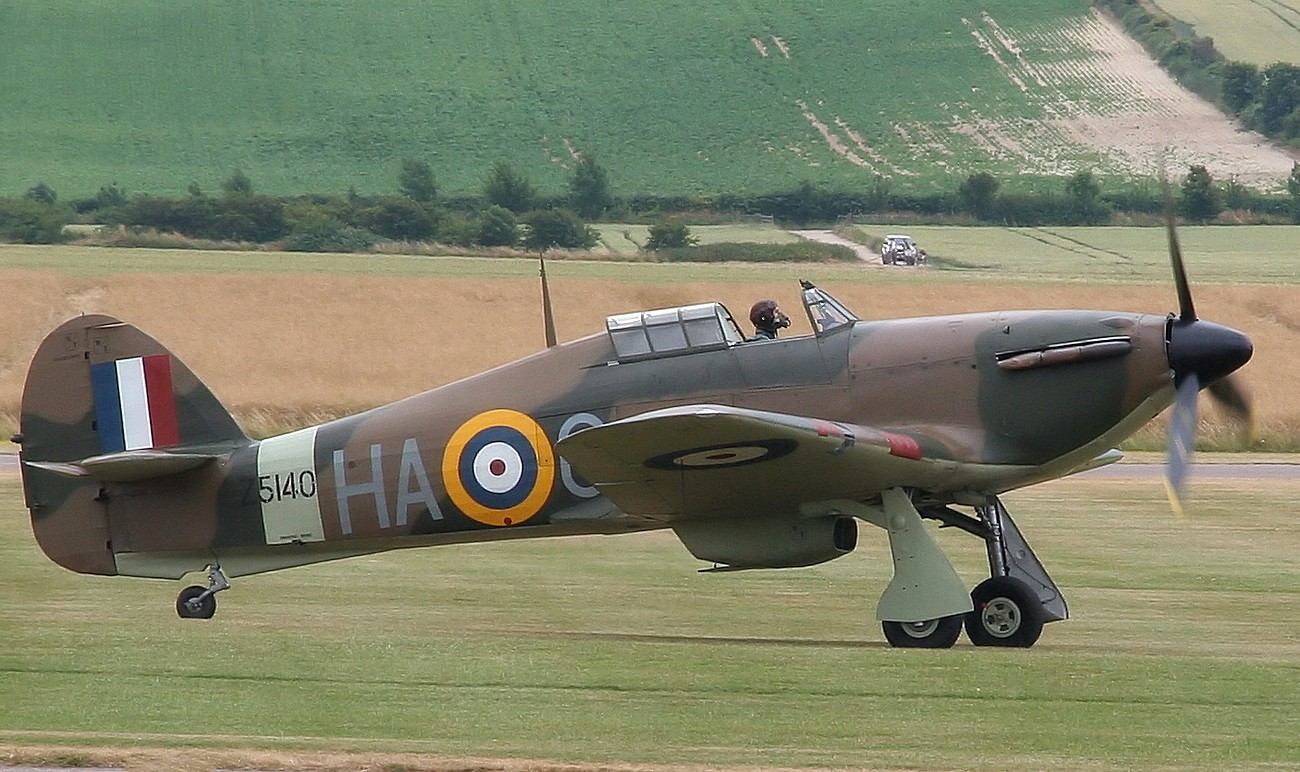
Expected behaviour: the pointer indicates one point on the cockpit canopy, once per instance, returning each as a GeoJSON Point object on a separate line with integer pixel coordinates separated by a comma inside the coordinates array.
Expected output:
{"type": "Point", "coordinates": [706, 326]}
{"type": "Point", "coordinates": [650, 334]}
{"type": "Point", "coordinates": [825, 313]}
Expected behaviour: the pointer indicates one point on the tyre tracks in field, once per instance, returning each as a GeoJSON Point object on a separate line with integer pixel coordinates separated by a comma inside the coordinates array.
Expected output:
{"type": "Point", "coordinates": [1272, 6]}
{"type": "Point", "coordinates": [1057, 240]}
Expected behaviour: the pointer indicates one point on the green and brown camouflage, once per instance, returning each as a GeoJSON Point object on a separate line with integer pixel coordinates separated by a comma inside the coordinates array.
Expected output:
{"type": "Point", "coordinates": [757, 454]}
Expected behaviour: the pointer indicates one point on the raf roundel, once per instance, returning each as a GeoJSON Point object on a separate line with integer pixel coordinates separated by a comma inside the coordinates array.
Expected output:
{"type": "Point", "coordinates": [499, 467]}
{"type": "Point", "coordinates": [718, 456]}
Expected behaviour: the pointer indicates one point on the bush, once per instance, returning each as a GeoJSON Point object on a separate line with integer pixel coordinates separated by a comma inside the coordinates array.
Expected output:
{"type": "Point", "coordinates": [1084, 203]}
{"type": "Point", "coordinates": [29, 221]}
{"type": "Point", "coordinates": [508, 189]}
{"type": "Point", "coordinates": [550, 228]}
{"type": "Point", "coordinates": [42, 194]}
{"type": "Point", "coordinates": [332, 237]}
{"type": "Point", "coordinates": [589, 193]}
{"type": "Point", "coordinates": [670, 235]}
{"type": "Point", "coordinates": [979, 194]}
{"type": "Point", "coordinates": [393, 217]}
{"type": "Point", "coordinates": [1201, 201]}
{"type": "Point", "coordinates": [456, 229]}
{"type": "Point", "coordinates": [497, 228]}
{"type": "Point", "coordinates": [250, 217]}
{"type": "Point", "coordinates": [416, 182]}
{"type": "Point", "coordinates": [105, 202]}
{"type": "Point", "coordinates": [234, 217]}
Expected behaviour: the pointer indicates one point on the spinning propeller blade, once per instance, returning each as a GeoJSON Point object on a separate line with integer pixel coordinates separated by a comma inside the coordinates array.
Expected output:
{"type": "Point", "coordinates": [1201, 354]}
{"type": "Point", "coordinates": [1182, 440]}
{"type": "Point", "coordinates": [1231, 397]}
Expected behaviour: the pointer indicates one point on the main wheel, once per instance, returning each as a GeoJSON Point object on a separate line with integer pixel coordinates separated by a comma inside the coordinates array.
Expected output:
{"type": "Point", "coordinates": [188, 605]}
{"type": "Point", "coordinates": [939, 633]}
{"type": "Point", "coordinates": [1007, 613]}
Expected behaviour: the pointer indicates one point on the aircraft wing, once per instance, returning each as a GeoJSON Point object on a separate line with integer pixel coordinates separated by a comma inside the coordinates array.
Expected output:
{"type": "Point", "coordinates": [721, 461]}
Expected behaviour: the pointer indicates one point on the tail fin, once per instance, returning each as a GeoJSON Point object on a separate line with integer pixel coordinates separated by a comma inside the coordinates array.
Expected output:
{"type": "Point", "coordinates": [105, 402]}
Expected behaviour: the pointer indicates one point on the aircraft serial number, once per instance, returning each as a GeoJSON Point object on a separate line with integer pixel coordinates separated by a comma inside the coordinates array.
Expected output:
{"type": "Point", "coordinates": [281, 487]}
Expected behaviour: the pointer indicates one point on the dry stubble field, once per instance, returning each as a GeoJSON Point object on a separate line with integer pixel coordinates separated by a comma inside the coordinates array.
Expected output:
{"type": "Point", "coordinates": [298, 338]}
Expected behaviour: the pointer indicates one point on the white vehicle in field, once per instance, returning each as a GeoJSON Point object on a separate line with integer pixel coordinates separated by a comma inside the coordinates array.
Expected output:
{"type": "Point", "coordinates": [901, 249]}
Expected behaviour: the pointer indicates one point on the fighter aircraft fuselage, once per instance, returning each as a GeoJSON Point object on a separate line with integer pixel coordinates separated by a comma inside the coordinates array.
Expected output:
{"type": "Point", "coordinates": [476, 459]}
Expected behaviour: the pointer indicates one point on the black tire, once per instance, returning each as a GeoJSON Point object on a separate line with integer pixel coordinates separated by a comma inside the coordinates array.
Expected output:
{"type": "Point", "coordinates": [939, 633]}
{"type": "Point", "coordinates": [1007, 613]}
{"type": "Point", "coordinates": [189, 607]}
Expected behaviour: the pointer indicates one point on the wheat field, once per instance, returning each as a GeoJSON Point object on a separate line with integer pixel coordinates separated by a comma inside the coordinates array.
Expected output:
{"type": "Point", "coordinates": [287, 347]}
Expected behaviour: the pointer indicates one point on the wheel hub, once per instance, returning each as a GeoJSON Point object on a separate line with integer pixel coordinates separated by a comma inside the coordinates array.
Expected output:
{"type": "Point", "coordinates": [1001, 617]}
{"type": "Point", "coordinates": [921, 629]}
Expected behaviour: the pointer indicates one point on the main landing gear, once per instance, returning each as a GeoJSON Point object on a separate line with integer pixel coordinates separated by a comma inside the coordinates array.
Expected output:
{"type": "Point", "coordinates": [195, 602]}
{"type": "Point", "coordinates": [1009, 608]}
{"type": "Point", "coordinates": [931, 634]}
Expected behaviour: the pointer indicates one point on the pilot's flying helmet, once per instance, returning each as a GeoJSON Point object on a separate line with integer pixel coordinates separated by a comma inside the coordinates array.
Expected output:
{"type": "Point", "coordinates": [766, 315]}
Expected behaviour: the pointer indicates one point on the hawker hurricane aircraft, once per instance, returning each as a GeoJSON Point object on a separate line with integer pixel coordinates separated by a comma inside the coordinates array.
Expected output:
{"type": "Point", "coordinates": [757, 454]}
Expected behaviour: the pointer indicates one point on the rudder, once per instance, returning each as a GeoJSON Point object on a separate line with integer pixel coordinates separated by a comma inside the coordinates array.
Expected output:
{"type": "Point", "coordinates": [103, 398]}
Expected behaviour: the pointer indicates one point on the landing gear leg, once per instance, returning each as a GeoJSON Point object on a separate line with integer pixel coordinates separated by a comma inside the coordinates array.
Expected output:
{"type": "Point", "coordinates": [925, 602]}
{"type": "Point", "coordinates": [195, 602]}
{"type": "Point", "coordinates": [1011, 606]}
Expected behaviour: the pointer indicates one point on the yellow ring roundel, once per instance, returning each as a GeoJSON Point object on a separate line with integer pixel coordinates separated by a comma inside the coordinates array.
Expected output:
{"type": "Point", "coordinates": [499, 467]}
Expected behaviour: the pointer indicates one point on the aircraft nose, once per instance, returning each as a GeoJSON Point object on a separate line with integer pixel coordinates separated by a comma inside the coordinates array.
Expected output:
{"type": "Point", "coordinates": [1208, 350]}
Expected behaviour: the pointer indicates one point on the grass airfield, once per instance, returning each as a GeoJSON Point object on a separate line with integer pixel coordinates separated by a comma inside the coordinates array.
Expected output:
{"type": "Point", "coordinates": [612, 652]}
{"type": "Point", "coordinates": [600, 652]}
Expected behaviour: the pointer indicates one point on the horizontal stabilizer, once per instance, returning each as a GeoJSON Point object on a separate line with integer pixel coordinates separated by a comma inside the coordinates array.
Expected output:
{"type": "Point", "coordinates": [128, 466]}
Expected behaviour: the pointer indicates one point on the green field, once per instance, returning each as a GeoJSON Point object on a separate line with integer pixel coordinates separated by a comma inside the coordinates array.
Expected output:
{"type": "Point", "coordinates": [626, 240]}
{"type": "Point", "coordinates": [1184, 652]}
{"type": "Point", "coordinates": [1222, 255]}
{"type": "Point", "coordinates": [707, 96]}
{"type": "Point", "coordinates": [1244, 254]}
{"type": "Point", "coordinates": [1258, 31]}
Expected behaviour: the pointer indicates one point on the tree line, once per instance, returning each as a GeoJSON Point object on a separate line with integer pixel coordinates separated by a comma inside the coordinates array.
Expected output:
{"type": "Point", "coordinates": [510, 212]}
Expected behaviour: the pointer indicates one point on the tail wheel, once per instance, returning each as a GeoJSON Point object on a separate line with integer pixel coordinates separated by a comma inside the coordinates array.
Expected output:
{"type": "Point", "coordinates": [939, 633]}
{"type": "Point", "coordinates": [1007, 613]}
{"type": "Point", "coordinates": [191, 604]}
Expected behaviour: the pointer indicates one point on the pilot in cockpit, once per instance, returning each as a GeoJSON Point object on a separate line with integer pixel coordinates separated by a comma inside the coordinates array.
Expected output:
{"type": "Point", "coordinates": [767, 319]}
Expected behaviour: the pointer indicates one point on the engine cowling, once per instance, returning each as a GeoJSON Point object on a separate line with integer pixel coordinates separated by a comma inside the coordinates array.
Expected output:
{"type": "Point", "coordinates": [769, 542]}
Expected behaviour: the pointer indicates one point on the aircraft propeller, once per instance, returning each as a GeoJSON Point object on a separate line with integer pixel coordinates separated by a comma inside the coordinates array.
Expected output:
{"type": "Point", "coordinates": [548, 316]}
{"type": "Point", "coordinates": [1201, 354]}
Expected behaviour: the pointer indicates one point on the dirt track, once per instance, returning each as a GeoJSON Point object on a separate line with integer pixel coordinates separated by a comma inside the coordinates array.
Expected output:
{"type": "Point", "coordinates": [826, 237]}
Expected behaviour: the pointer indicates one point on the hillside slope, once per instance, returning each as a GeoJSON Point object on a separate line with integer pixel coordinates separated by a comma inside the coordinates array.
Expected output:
{"type": "Point", "coordinates": [708, 96]}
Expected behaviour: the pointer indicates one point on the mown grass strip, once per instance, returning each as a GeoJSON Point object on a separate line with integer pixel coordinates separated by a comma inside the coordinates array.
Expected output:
{"type": "Point", "coordinates": [606, 650]}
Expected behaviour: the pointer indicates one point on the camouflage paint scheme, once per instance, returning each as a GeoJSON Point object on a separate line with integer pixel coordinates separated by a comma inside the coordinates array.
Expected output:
{"type": "Point", "coordinates": [755, 453]}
